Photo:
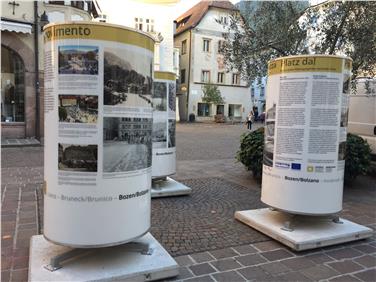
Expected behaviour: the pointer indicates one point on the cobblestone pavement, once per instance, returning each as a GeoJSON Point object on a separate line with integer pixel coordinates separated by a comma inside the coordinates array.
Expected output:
{"type": "Point", "coordinates": [216, 247]}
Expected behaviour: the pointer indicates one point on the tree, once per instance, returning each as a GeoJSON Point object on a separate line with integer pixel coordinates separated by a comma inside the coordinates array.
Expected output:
{"type": "Point", "coordinates": [212, 94]}
{"type": "Point", "coordinates": [266, 30]}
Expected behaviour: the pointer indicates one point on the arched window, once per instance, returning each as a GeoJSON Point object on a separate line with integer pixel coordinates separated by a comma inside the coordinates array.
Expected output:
{"type": "Point", "coordinates": [12, 86]}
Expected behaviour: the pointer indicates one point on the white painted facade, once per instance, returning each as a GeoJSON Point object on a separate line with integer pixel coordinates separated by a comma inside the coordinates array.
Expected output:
{"type": "Point", "coordinates": [196, 60]}
{"type": "Point", "coordinates": [156, 19]}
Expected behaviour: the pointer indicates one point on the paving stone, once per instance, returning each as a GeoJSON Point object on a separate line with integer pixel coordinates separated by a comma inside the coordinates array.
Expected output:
{"type": "Point", "coordinates": [251, 259]}
{"type": "Point", "coordinates": [267, 246]}
{"type": "Point", "coordinates": [252, 272]}
{"type": "Point", "coordinates": [367, 249]}
{"type": "Point", "coordinates": [344, 278]}
{"type": "Point", "coordinates": [201, 269]}
{"type": "Point", "coordinates": [346, 266]}
{"type": "Point", "coordinates": [344, 253]}
{"type": "Point", "coordinates": [225, 264]}
{"type": "Point", "coordinates": [277, 254]}
{"type": "Point", "coordinates": [367, 261]}
{"type": "Point", "coordinates": [368, 275]}
{"type": "Point", "coordinates": [224, 253]}
{"type": "Point", "coordinates": [202, 257]}
{"type": "Point", "coordinates": [319, 258]}
{"type": "Point", "coordinates": [319, 272]}
{"type": "Point", "coordinates": [205, 278]}
{"type": "Point", "coordinates": [184, 273]}
{"type": "Point", "coordinates": [228, 276]}
{"type": "Point", "coordinates": [245, 249]}
{"type": "Point", "coordinates": [19, 275]}
{"type": "Point", "coordinates": [204, 221]}
{"type": "Point", "coordinates": [292, 277]}
{"type": "Point", "coordinates": [274, 268]}
{"type": "Point", "coordinates": [298, 263]}
{"type": "Point", "coordinates": [184, 260]}
{"type": "Point", "coordinates": [5, 275]}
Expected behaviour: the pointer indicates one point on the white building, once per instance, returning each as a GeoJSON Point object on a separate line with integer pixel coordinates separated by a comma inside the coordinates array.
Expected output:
{"type": "Point", "coordinates": [199, 36]}
{"type": "Point", "coordinates": [258, 94]}
{"type": "Point", "coordinates": [153, 17]}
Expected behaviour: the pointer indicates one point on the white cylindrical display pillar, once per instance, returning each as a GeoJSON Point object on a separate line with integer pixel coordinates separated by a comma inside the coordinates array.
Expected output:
{"type": "Point", "coordinates": [164, 123]}
{"type": "Point", "coordinates": [98, 134]}
{"type": "Point", "coordinates": [305, 133]}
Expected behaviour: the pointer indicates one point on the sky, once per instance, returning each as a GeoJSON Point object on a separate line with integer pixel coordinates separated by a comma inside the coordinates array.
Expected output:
{"type": "Point", "coordinates": [114, 9]}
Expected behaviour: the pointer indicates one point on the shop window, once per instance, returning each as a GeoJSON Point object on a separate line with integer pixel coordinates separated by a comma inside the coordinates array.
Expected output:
{"type": "Point", "coordinates": [12, 86]}
{"type": "Point", "coordinates": [203, 110]}
{"type": "Point", "coordinates": [220, 109]}
{"type": "Point", "coordinates": [234, 110]}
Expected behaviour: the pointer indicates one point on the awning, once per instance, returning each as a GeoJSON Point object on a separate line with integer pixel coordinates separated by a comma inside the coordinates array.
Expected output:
{"type": "Point", "coordinates": [15, 27]}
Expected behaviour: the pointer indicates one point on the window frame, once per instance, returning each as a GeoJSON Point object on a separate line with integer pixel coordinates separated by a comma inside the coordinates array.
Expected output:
{"type": "Point", "coordinates": [182, 75]}
{"type": "Point", "coordinates": [199, 110]}
{"type": "Point", "coordinates": [237, 80]}
{"type": "Point", "coordinates": [203, 76]}
{"type": "Point", "coordinates": [204, 40]}
{"type": "Point", "coordinates": [222, 74]}
{"type": "Point", "coordinates": [184, 47]}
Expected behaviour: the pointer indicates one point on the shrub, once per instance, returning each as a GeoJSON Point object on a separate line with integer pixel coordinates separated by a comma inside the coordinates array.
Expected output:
{"type": "Point", "coordinates": [251, 151]}
{"type": "Point", "coordinates": [358, 157]}
{"type": "Point", "coordinates": [358, 154]}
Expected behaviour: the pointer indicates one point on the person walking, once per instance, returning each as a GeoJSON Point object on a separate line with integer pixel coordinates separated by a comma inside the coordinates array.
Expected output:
{"type": "Point", "coordinates": [250, 119]}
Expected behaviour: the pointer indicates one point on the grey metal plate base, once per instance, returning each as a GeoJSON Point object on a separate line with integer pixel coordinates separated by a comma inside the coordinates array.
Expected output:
{"type": "Point", "coordinates": [308, 232]}
{"type": "Point", "coordinates": [169, 188]}
{"type": "Point", "coordinates": [105, 264]}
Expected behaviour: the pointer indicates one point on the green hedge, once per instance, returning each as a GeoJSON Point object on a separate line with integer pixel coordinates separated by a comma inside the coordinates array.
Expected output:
{"type": "Point", "coordinates": [358, 154]}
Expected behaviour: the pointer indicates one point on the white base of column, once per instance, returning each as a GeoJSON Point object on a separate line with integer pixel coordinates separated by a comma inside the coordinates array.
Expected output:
{"type": "Point", "coordinates": [123, 262]}
{"type": "Point", "coordinates": [169, 188]}
{"type": "Point", "coordinates": [302, 232]}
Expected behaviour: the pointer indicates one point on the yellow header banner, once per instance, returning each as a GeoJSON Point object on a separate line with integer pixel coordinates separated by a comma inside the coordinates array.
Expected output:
{"type": "Point", "coordinates": [164, 75]}
{"type": "Point", "coordinates": [98, 32]}
{"type": "Point", "coordinates": [306, 64]}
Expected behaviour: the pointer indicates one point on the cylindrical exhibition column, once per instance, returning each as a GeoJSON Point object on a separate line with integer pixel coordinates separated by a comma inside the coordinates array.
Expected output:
{"type": "Point", "coordinates": [164, 123]}
{"type": "Point", "coordinates": [305, 133]}
{"type": "Point", "coordinates": [98, 134]}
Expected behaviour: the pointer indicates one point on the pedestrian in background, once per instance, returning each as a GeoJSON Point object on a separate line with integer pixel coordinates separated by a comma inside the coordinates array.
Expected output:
{"type": "Point", "coordinates": [250, 119]}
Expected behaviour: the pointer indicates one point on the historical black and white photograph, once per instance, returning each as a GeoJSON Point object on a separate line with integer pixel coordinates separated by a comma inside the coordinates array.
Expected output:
{"type": "Point", "coordinates": [73, 157]}
{"type": "Point", "coordinates": [78, 108]}
{"type": "Point", "coordinates": [127, 144]}
{"type": "Point", "coordinates": [171, 133]}
{"type": "Point", "coordinates": [342, 151]}
{"type": "Point", "coordinates": [172, 97]}
{"type": "Point", "coordinates": [346, 84]}
{"type": "Point", "coordinates": [159, 134]}
{"type": "Point", "coordinates": [269, 143]}
{"type": "Point", "coordinates": [75, 59]}
{"type": "Point", "coordinates": [160, 96]}
{"type": "Point", "coordinates": [127, 79]}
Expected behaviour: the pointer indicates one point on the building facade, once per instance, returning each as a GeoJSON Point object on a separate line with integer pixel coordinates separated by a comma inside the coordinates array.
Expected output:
{"type": "Point", "coordinates": [22, 60]}
{"type": "Point", "coordinates": [258, 94]}
{"type": "Point", "coordinates": [155, 18]}
{"type": "Point", "coordinates": [199, 35]}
